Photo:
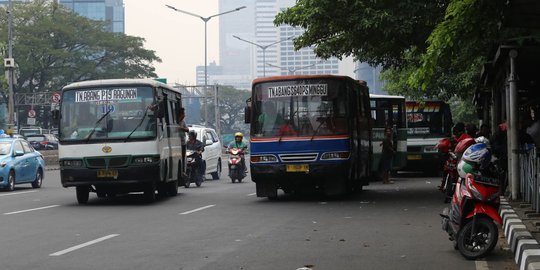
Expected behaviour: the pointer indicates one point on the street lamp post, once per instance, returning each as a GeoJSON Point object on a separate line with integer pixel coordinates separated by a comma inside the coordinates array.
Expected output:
{"type": "Point", "coordinates": [292, 70]}
{"type": "Point", "coordinates": [11, 104]}
{"type": "Point", "coordinates": [205, 20]}
{"type": "Point", "coordinates": [263, 48]}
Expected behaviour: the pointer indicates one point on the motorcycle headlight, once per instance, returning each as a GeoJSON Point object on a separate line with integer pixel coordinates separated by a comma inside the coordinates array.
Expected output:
{"type": "Point", "coordinates": [3, 163]}
{"type": "Point", "coordinates": [470, 185]}
{"type": "Point", "coordinates": [335, 155]}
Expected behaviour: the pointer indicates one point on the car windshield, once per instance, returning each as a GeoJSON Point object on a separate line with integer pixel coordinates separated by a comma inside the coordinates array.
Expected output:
{"type": "Point", "coordinates": [5, 148]}
{"type": "Point", "coordinates": [107, 113]}
{"type": "Point", "coordinates": [35, 138]}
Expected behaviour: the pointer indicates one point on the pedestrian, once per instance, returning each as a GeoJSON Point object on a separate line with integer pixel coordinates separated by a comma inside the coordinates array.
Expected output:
{"type": "Point", "coordinates": [388, 150]}
{"type": "Point", "coordinates": [182, 128]}
{"type": "Point", "coordinates": [484, 131]}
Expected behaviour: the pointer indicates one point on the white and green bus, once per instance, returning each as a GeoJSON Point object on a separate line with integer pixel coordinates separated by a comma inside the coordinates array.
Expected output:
{"type": "Point", "coordinates": [119, 136]}
{"type": "Point", "coordinates": [389, 111]}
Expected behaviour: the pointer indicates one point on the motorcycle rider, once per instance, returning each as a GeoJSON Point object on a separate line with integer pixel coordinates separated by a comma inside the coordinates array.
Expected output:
{"type": "Point", "coordinates": [239, 143]}
{"type": "Point", "coordinates": [197, 146]}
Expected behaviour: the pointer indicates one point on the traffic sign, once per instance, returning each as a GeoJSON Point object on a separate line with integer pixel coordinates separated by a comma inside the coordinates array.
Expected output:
{"type": "Point", "coordinates": [56, 97]}
{"type": "Point", "coordinates": [31, 113]}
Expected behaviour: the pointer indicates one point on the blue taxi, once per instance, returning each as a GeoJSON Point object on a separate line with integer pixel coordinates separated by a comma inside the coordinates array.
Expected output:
{"type": "Point", "coordinates": [20, 163]}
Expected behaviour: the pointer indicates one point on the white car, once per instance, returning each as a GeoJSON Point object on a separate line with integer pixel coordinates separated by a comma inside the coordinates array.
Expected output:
{"type": "Point", "coordinates": [212, 149]}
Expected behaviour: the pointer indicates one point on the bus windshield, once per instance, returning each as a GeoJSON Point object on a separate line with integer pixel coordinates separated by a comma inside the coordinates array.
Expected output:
{"type": "Point", "coordinates": [428, 119]}
{"type": "Point", "coordinates": [307, 107]}
{"type": "Point", "coordinates": [107, 113]}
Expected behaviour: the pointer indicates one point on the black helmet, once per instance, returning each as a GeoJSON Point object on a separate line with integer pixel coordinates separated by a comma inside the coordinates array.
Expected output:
{"type": "Point", "coordinates": [192, 133]}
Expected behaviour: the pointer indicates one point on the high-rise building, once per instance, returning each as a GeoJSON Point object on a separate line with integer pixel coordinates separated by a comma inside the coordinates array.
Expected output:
{"type": "Point", "coordinates": [371, 75]}
{"type": "Point", "coordinates": [111, 11]}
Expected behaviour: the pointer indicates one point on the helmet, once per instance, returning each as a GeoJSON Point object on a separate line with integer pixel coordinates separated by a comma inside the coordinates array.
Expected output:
{"type": "Point", "coordinates": [464, 167]}
{"type": "Point", "coordinates": [192, 133]}
{"type": "Point", "coordinates": [1, 131]}
{"type": "Point", "coordinates": [443, 145]}
{"type": "Point", "coordinates": [479, 154]}
{"type": "Point", "coordinates": [463, 145]}
{"type": "Point", "coordinates": [482, 139]}
{"type": "Point", "coordinates": [238, 134]}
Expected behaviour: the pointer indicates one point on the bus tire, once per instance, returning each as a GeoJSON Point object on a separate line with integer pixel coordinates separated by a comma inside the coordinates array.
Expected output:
{"type": "Point", "coordinates": [150, 192]}
{"type": "Point", "coordinates": [83, 193]}
{"type": "Point", "coordinates": [172, 188]}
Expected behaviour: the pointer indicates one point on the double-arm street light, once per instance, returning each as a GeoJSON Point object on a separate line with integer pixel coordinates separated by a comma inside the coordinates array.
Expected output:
{"type": "Point", "coordinates": [205, 20]}
{"type": "Point", "coordinates": [263, 48]}
{"type": "Point", "coordinates": [293, 70]}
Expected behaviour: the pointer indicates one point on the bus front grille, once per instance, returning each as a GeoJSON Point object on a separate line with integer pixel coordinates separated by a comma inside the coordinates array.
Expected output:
{"type": "Point", "coordinates": [303, 157]}
{"type": "Point", "coordinates": [108, 162]}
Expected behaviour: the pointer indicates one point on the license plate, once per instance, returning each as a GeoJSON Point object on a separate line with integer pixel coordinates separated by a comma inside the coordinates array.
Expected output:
{"type": "Point", "coordinates": [414, 157]}
{"type": "Point", "coordinates": [107, 173]}
{"type": "Point", "coordinates": [298, 168]}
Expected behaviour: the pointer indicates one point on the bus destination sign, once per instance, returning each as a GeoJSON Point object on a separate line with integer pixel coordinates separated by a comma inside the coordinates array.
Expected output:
{"type": "Point", "coordinates": [106, 94]}
{"type": "Point", "coordinates": [303, 90]}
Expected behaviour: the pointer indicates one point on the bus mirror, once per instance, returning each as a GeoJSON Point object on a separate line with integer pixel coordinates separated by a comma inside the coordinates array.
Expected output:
{"type": "Point", "coordinates": [247, 115]}
{"type": "Point", "coordinates": [160, 112]}
{"type": "Point", "coordinates": [55, 114]}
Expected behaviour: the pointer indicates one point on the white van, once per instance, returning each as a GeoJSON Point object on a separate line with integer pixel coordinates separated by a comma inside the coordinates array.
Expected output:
{"type": "Point", "coordinates": [212, 149]}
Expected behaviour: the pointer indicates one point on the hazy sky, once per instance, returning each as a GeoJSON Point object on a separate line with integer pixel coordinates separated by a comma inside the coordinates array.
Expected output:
{"type": "Point", "coordinates": [177, 38]}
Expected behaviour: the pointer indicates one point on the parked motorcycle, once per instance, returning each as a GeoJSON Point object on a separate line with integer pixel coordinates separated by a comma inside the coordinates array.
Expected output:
{"type": "Point", "coordinates": [192, 169]}
{"type": "Point", "coordinates": [236, 168]}
{"type": "Point", "coordinates": [470, 219]}
{"type": "Point", "coordinates": [450, 173]}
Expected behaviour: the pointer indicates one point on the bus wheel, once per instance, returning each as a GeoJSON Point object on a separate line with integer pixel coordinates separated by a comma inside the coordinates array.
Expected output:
{"type": "Point", "coordinates": [83, 193]}
{"type": "Point", "coordinates": [172, 188]}
{"type": "Point", "coordinates": [150, 192]}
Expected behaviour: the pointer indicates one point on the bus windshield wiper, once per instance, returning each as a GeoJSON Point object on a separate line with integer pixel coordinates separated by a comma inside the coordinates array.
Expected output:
{"type": "Point", "coordinates": [96, 124]}
{"type": "Point", "coordinates": [138, 125]}
{"type": "Point", "coordinates": [316, 131]}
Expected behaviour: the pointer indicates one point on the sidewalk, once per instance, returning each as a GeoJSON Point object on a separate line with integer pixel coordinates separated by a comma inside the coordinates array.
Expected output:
{"type": "Point", "coordinates": [521, 227]}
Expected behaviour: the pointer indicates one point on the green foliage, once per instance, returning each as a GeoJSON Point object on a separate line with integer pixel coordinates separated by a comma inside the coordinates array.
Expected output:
{"type": "Point", "coordinates": [463, 110]}
{"type": "Point", "coordinates": [53, 46]}
{"type": "Point", "coordinates": [231, 107]}
{"type": "Point", "coordinates": [376, 32]}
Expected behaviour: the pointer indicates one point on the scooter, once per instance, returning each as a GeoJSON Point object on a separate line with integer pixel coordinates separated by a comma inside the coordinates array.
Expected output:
{"type": "Point", "coordinates": [236, 168]}
{"type": "Point", "coordinates": [471, 219]}
{"type": "Point", "coordinates": [450, 173]}
{"type": "Point", "coordinates": [192, 174]}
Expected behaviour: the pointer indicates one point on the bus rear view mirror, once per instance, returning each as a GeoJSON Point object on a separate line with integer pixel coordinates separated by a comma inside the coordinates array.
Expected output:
{"type": "Point", "coordinates": [247, 115]}
{"type": "Point", "coordinates": [55, 114]}
{"type": "Point", "coordinates": [160, 112]}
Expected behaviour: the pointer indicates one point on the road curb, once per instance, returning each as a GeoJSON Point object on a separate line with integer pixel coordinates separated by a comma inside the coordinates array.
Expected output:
{"type": "Point", "coordinates": [524, 246]}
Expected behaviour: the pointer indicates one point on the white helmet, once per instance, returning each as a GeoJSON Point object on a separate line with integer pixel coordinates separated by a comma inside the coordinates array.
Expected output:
{"type": "Point", "coordinates": [477, 153]}
{"type": "Point", "coordinates": [483, 140]}
{"type": "Point", "coordinates": [465, 167]}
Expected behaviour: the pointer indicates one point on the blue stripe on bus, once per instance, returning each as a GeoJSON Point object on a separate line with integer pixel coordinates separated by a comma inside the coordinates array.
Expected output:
{"type": "Point", "coordinates": [300, 146]}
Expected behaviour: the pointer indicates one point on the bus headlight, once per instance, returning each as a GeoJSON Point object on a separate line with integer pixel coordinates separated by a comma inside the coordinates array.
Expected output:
{"type": "Point", "coordinates": [142, 160]}
{"type": "Point", "coordinates": [335, 155]}
{"type": "Point", "coordinates": [265, 158]}
{"type": "Point", "coordinates": [72, 163]}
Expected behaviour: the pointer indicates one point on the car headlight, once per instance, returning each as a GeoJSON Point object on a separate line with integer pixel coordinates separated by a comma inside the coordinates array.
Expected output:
{"type": "Point", "coordinates": [72, 163]}
{"type": "Point", "coordinates": [335, 155]}
{"type": "Point", "coordinates": [264, 158]}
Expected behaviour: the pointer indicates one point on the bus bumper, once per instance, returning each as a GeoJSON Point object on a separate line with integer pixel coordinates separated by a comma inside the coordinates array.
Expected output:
{"type": "Point", "coordinates": [331, 178]}
{"type": "Point", "coordinates": [132, 175]}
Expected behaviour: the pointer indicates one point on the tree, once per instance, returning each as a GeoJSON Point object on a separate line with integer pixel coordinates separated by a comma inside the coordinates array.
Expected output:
{"type": "Point", "coordinates": [53, 46]}
{"type": "Point", "coordinates": [231, 107]}
{"type": "Point", "coordinates": [427, 48]}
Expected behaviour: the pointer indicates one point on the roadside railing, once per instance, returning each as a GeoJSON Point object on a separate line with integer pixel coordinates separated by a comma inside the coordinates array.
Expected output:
{"type": "Point", "coordinates": [529, 164]}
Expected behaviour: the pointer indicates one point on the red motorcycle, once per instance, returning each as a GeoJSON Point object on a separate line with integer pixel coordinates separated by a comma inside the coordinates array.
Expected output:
{"type": "Point", "coordinates": [470, 219]}
{"type": "Point", "coordinates": [450, 173]}
{"type": "Point", "coordinates": [236, 166]}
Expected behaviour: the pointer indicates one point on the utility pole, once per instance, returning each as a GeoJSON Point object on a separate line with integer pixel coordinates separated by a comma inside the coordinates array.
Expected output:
{"type": "Point", "coordinates": [9, 63]}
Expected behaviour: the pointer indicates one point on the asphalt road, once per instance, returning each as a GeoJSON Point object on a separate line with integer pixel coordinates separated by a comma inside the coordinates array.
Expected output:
{"type": "Point", "coordinates": [225, 226]}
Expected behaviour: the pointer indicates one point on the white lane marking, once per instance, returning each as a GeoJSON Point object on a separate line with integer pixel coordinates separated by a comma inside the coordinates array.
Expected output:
{"type": "Point", "coordinates": [33, 209]}
{"type": "Point", "coordinates": [481, 265]}
{"type": "Point", "coordinates": [62, 252]}
{"type": "Point", "coordinates": [198, 209]}
{"type": "Point", "coordinates": [252, 194]}
{"type": "Point", "coordinates": [17, 193]}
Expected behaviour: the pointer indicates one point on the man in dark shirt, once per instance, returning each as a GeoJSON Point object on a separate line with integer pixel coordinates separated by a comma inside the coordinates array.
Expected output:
{"type": "Point", "coordinates": [197, 146]}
